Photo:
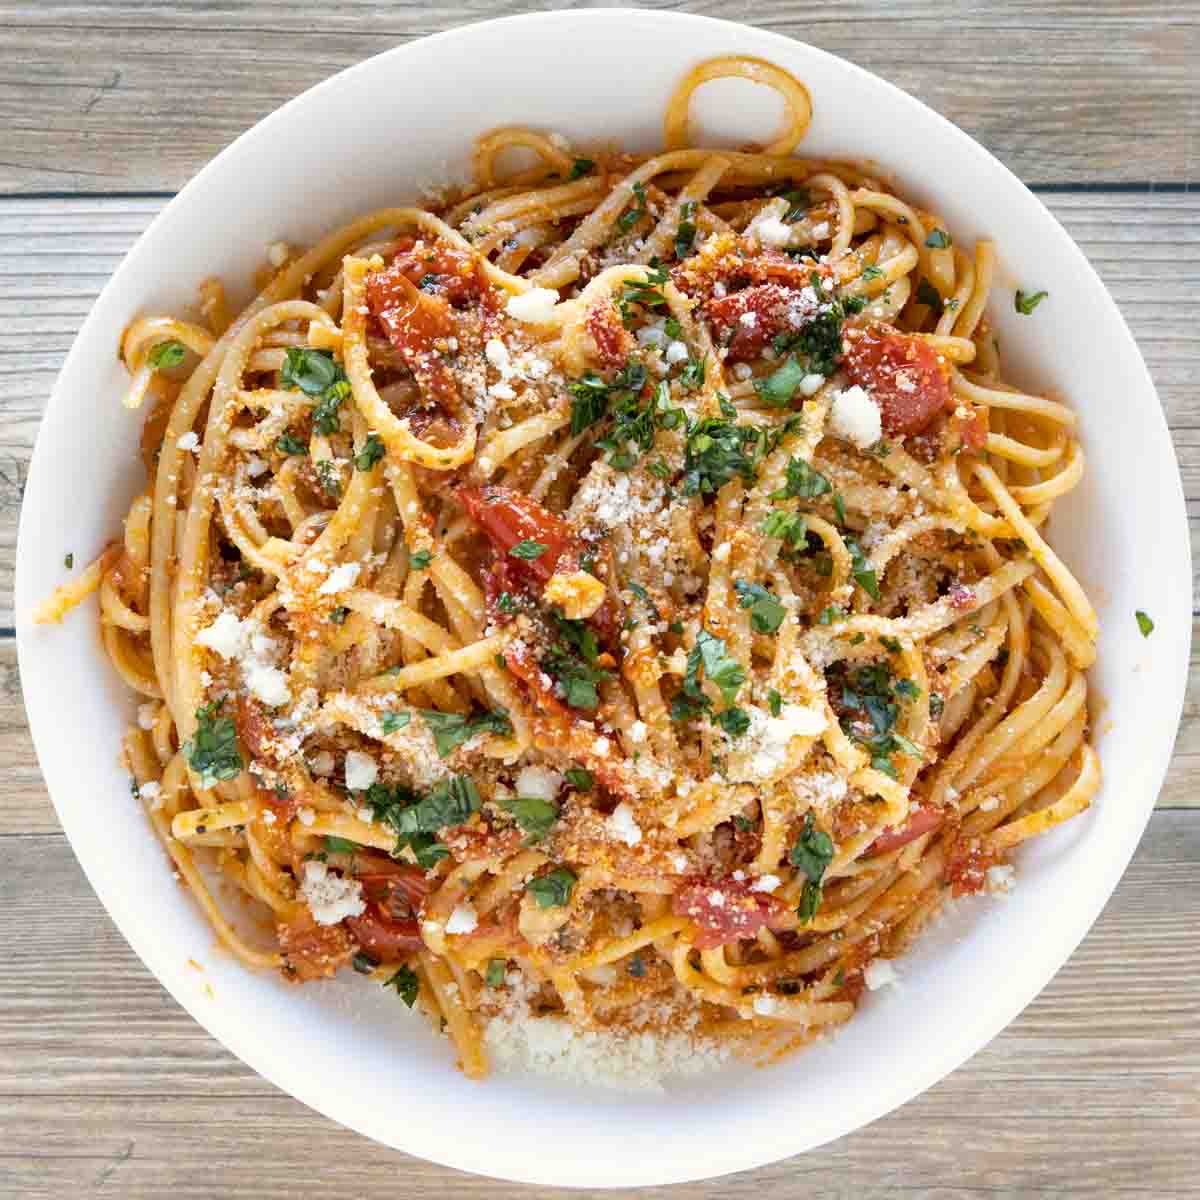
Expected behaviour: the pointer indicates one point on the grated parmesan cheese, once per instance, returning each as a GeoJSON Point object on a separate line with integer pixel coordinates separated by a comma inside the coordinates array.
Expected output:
{"type": "Point", "coordinates": [879, 973]}
{"type": "Point", "coordinates": [340, 578]}
{"type": "Point", "coordinates": [856, 417]}
{"type": "Point", "coordinates": [361, 770]}
{"type": "Point", "coordinates": [623, 826]}
{"type": "Point", "coordinates": [540, 782]}
{"type": "Point", "coordinates": [330, 897]}
{"type": "Point", "coordinates": [535, 307]}
{"type": "Point", "coordinates": [612, 1058]}
{"type": "Point", "coordinates": [463, 919]}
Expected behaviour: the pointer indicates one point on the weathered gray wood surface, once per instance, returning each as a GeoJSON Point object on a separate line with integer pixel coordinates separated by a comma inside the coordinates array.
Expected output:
{"type": "Point", "coordinates": [106, 1087]}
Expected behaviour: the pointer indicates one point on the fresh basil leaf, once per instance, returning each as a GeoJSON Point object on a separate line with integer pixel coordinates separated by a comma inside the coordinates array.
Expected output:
{"type": "Point", "coordinates": [406, 983]}
{"type": "Point", "coordinates": [166, 355]}
{"type": "Point", "coordinates": [528, 550]}
{"type": "Point", "coordinates": [813, 851]}
{"type": "Point", "coordinates": [212, 751]}
{"type": "Point", "coordinates": [553, 889]}
{"type": "Point", "coordinates": [1026, 302]}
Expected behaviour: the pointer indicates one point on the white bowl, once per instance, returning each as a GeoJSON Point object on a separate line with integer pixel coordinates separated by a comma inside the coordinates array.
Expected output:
{"type": "Point", "coordinates": [366, 138]}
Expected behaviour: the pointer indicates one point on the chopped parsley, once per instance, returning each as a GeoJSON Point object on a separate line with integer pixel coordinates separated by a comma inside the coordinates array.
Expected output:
{"type": "Point", "coordinates": [212, 751]}
{"type": "Point", "coordinates": [804, 481]}
{"type": "Point", "coordinates": [939, 239]}
{"type": "Point", "coordinates": [799, 202]}
{"type": "Point", "coordinates": [1144, 623]}
{"type": "Point", "coordinates": [635, 966]}
{"type": "Point", "coordinates": [835, 612]}
{"type": "Point", "coordinates": [451, 730]}
{"type": "Point", "coordinates": [766, 612]}
{"type": "Point", "coordinates": [820, 340]}
{"type": "Point", "coordinates": [68, 560]}
{"type": "Point", "coordinates": [416, 819]}
{"type": "Point", "coordinates": [790, 528]}
{"type": "Point", "coordinates": [717, 450]}
{"type": "Point", "coordinates": [420, 559]}
{"type": "Point", "coordinates": [580, 779]}
{"type": "Point", "coordinates": [371, 452]}
{"type": "Point", "coordinates": [528, 550]}
{"type": "Point", "coordinates": [571, 659]}
{"type": "Point", "coordinates": [364, 963]}
{"type": "Point", "coordinates": [589, 401]}
{"type": "Point", "coordinates": [928, 294]}
{"type": "Point", "coordinates": [393, 722]}
{"type": "Point", "coordinates": [533, 814]}
{"type": "Point", "coordinates": [839, 508]}
{"type": "Point", "coordinates": [553, 889]}
{"type": "Point", "coordinates": [339, 615]}
{"type": "Point", "coordinates": [685, 234]}
{"type": "Point", "coordinates": [1026, 302]}
{"type": "Point", "coordinates": [872, 272]}
{"type": "Point", "coordinates": [812, 854]}
{"type": "Point", "coordinates": [337, 845]}
{"type": "Point", "coordinates": [327, 475]}
{"type": "Point", "coordinates": [864, 574]}
{"type": "Point", "coordinates": [406, 983]}
{"type": "Point", "coordinates": [691, 378]}
{"type": "Point", "coordinates": [166, 355]}
{"type": "Point", "coordinates": [505, 603]}
{"type": "Point", "coordinates": [734, 721]}
{"type": "Point", "coordinates": [634, 423]}
{"type": "Point", "coordinates": [316, 373]}
{"type": "Point", "coordinates": [868, 700]}
{"type": "Point", "coordinates": [636, 211]}
{"type": "Point", "coordinates": [581, 167]}
{"type": "Point", "coordinates": [778, 388]}
{"type": "Point", "coordinates": [496, 968]}
{"type": "Point", "coordinates": [288, 444]}
{"type": "Point", "coordinates": [719, 668]}
{"type": "Point", "coordinates": [643, 292]}
{"type": "Point", "coordinates": [774, 702]}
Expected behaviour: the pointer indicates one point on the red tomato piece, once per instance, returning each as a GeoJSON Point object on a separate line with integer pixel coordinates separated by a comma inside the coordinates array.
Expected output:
{"type": "Point", "coordinates": [922, 821]}
{"type": "Point", "coordinates": [726, 910]}
{"type": "Point", "coordinates": [904, 376]}
{"type": "Point", "coordinates": [382, 877]}
{"type": "Point", "coordinates": [967, 866]}
{"type": "Point", "coordinates": [385, 936]}
{"type": "Point", "coordinates": [312, 951]}
{"type": "Point", "coordinates": [509, 517]}
{"type": "Point", "coordinates": [613, 342]}
{"type": "Point", "coordinates": [755, 315]}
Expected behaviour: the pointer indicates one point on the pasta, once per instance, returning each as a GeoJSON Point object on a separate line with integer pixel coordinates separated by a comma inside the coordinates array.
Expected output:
{"type": "Point", "coordinates": [615, 595]}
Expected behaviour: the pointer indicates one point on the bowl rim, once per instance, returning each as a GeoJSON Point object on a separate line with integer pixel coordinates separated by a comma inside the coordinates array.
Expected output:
{"type": "Point", "coordinates": [239, 1037]}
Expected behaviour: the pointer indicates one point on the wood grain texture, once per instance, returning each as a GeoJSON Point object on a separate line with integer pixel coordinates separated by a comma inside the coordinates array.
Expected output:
{"type": "Point", "coordinates": [96, 95]}
{"type": "Point", "coordinates": [108, 1088]}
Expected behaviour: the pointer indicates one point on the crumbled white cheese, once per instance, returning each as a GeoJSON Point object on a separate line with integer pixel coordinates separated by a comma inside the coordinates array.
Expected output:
{"type": "Point", "coordinates": [225, 635]}
{"type": "Point", "coordinates": [539, 782]}
{"type": "Point", "coordinates": [306, 815]}
{"type": "Point", "coordinates": [879, 973]}
{"type": "Point", "coordinates": [637, 732]}
{"type": "Point", "coordinates": [652, 335]}
{"type": "Point", "coordinates": [245, 643]}
{"type": "Point", "coordinates": [330, 897]}
{"type": "Point", "coordinates": [340, 578]}
{"type": "Point", "coordinates": [361, 770]}
{"type": "Point", "coordinates": [1000, 879]}
{"type": "Point", "coordinates": [496, 352]}
{"type": "Point", "coordinates": [535, 306]}
{"type": "Point", "coordinates": [189, 441]}
{"type": "Point", "coordinates": [463, 919]}
{"type": "Point", "coordinates": [256, 466]}
{"type": "Point", "coordinates": [623, 826]}
{"type": "Point", "coordinates": [146, 715]}
{"type": "Point", "coordinates": [150, 790]}
{"type": "Point", "coordinates": [811, 384]}
{"type": "Point", "coordinates": [742, 371]}
{"type": "Point", "coordinates": [322, 764]}
{"type": "Point", "coordinates": [277, 253]}
{"type": "Point", "coordinates": [764, 1006]}
{"type": "Point", "coordinates": [766, 883]}
{"type": "Point", "coordinates": [749, 319]}
{"type": "Point", "coordinates": [677, 352]}
{"type": "Point", "coordinates": [856, 417]}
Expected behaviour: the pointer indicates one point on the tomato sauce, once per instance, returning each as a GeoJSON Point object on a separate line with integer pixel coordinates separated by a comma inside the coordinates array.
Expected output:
{"type": "Point", "coordinates": [726, 910]}
{"type": "Point", "coordinates": [903, 375]}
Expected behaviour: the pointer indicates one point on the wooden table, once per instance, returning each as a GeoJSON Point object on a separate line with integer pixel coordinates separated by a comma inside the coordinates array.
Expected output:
{"type": "Point", "coordinates": [106, 1087]}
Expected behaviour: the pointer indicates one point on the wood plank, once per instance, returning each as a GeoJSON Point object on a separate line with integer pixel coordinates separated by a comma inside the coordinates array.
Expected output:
{"type": "Point", "coordinates": [95, 95]}
{"type": "Point", "coordinates": [107, 1086]}
{"type": "Point", "coordinates": [55, 255]}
